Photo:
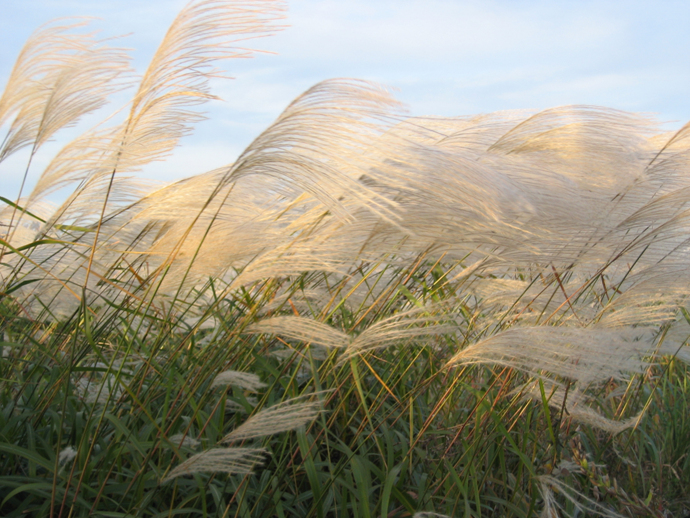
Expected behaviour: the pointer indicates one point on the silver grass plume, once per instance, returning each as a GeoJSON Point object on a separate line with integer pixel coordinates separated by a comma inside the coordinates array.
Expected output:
{"type": "Point", "coordinates": [316, 145]}
{"type": "Point", "coordinates": [57, 78]}
{"type": "Point", "coordinates": [548, 485]}
{"type": "Point", "coordinates": [578, 407]}
{"type": "Point", "coordinates": [400, 328]}
{"type": "Point", "coordinates": [23, 228]}
{"type": "Point", "coordinates": [184, 441]}
{"type": "Point", "coordinates": [303, 329]}
{"type": "Point", "coordinates": [100, 392]}
{"type": "Point", "coordinates": [240, 461]}
{"type": "Point", "coordinates": [586, 355]}
{"type": "Point", "coordinates": [232, 406]}
{"type": "Point", "coordinates": [243, 380]}
{"type": "Point", "coordinates": [285, 416]}
{"type": "Point", "coordinates": [66, 455]}
{"type": "Point", "coordinates": [176, 80]}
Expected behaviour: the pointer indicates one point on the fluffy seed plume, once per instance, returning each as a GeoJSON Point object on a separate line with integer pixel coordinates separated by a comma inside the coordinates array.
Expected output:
{"type": "Point", "coordinates": [304, 329]}
{"type": "Point", "coordinates": [549, 485]}
{"type": "Point", "coordinates": [585, 355]}
{"type": "Point", "coordinates": [66, 455]}
{"type": "Point", "coordinates": [399, 328]}
{"type": "Point", "coordinates": [183, 441]}
{"type": "Point", "coordinates": [577, 404]}
{"type": "Point", "coordinates": [57, 78]}
{"type": "Point", "coordinates": [105, 391]}
{"type": "Point", "coordinates": [239, 461]}
{"type": "Point", "coordinates": [243, 380]}
{"type": "Point", "coordinates": [282, 417]}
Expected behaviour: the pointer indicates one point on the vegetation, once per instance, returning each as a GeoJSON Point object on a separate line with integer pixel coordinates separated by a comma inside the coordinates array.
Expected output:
{"type": "Point", "coordinates": [365, 315]}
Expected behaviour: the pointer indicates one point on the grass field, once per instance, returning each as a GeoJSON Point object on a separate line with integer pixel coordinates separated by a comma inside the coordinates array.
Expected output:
{"type": "Point", "coordinates": [366, 315]}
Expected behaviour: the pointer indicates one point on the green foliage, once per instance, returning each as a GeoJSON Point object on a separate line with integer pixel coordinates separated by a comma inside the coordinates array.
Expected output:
{"type": "Point", "coordinates": [399, 434]}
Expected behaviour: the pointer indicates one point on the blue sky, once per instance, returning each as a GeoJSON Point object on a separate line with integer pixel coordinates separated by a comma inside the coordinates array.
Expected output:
{"type": "Point", "coordinates": [443, 57]}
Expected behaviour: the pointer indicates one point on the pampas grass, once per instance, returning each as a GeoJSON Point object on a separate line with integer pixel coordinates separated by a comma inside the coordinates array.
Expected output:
{"type": "Point", "coordinates": [474, 300]}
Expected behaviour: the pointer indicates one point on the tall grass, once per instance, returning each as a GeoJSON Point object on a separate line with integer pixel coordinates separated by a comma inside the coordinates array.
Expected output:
{"type": "Point", "coordinates": [365, 315]}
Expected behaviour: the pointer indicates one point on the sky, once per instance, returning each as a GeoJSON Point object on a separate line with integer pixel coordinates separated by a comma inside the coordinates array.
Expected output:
{"type": "Point", "coordinates": [441, 57]}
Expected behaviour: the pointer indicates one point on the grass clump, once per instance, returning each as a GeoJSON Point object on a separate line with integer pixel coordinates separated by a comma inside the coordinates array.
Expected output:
{"type": "Point", "coordinates": [365, 315]}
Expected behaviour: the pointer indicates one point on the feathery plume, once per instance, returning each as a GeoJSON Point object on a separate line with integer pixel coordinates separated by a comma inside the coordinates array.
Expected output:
{"type": "Point", "coordinates": [243, 380]}
{"type": "Point", "coordinates": [160, 114]}
{"type": "Point", "coordinates": [586, 355]}
{"type": "Point", "coordinates": [44, 81]}
{"type": "Point", "coordinates": [80, 86]}
{"type": "Point", "coordinates": [240, 461]}
{"type": "Point", "coordinates": [66, 455]}
{"type": "Point", "coordinates": [303, 329]}
{"type": "Point", "coordinates": [184, 441]}
{"type": "Point", "coordinates": [282, 417]}
{"type": "Point", "coordinates": [99, 392]}
{"type": "Point", "coordinates": [233, 406]}
{"type": "Point", "coordinates": [577, 404]}
{"type": "Point", "coordinates": [57, 79]}
{"type": "Point", "coordinates": [548, 485]}
{"type": "Point", "coordinates": [400, 328]}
